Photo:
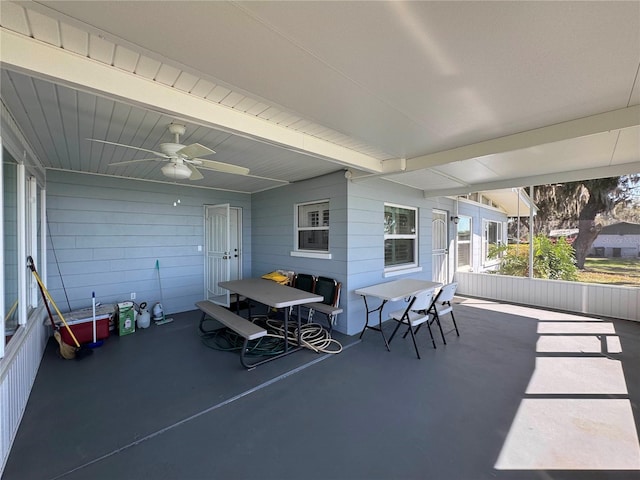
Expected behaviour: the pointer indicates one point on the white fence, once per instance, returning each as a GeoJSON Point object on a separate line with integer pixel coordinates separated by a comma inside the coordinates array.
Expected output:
{"type": "Point", "coordinates": [586, 298]}
{"type": "Point", "coordinates": [16, 382]}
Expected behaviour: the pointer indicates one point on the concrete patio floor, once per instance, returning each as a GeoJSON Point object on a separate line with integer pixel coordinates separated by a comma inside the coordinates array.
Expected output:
{"type": "Point", "coordinates": [521, 394]}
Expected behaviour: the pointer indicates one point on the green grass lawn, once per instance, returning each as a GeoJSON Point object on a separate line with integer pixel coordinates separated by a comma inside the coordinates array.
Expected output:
{"type": "Point", "coordinates": [612, 271]}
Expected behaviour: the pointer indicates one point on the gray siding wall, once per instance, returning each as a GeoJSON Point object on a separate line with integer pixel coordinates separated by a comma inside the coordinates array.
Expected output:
{"type": "Point", "coordinates": [366, 242]}
{"type": "Point", "coordinates": [107, 233]}
{"type": "Point", "coordinates": [356, 235]}
{"type": "Point", "coordinates": [478, 213]}
{"type": "Point", "coordinates": [273, 229]}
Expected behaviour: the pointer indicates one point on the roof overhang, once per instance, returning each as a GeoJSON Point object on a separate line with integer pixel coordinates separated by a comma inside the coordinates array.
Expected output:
{"type": "Point", "coordinates": [513, 201]}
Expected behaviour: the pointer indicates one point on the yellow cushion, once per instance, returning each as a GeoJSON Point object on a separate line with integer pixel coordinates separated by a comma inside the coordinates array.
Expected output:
{"type": "Point", "coordinates": [276, 277]}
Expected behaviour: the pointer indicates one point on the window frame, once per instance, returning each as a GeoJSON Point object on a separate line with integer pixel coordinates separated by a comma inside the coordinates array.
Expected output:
{"type": "Point", "coordinates": [487, 262]}
{"type": "Point", "coordinates": [468, 266]}
{"type": "Point", "coordinates": [324, 225]}
{"type": "Point", "coordinates": [405, 267]}
{"type": "Point", "coordinates": [30, 239]}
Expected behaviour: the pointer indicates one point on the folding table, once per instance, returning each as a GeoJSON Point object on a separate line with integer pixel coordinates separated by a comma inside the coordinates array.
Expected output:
{"type": "Point", "coordinates": [391, 291]}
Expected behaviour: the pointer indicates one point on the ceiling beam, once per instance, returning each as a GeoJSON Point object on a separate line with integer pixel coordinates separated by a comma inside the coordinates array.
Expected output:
{"type": "Point", "coordinates": [603, 122]}
{"type": "Point", "coordinates": [49, 62]}
{"type": "Point", "coordinates": [559, 177]}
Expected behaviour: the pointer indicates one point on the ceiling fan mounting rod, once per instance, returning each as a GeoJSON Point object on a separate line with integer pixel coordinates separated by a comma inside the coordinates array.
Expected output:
{"type": "Point", "coordinates": [177, 130]}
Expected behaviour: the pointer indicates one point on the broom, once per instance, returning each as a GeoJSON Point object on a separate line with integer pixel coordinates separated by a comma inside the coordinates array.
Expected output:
{"type": "Point", "coordinates": [66, 351]}
{"type": "Point", "coordinates": [164, 319]}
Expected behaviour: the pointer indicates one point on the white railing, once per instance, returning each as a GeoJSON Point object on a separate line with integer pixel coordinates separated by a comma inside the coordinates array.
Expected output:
{"type": "Point", "coordinates": [16, 380]}
{"type": "Point", "coordinates": [587, 298]}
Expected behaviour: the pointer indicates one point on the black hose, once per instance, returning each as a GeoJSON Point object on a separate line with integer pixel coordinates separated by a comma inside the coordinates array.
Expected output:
{"type": "Point", "coordinates": [57, 264]}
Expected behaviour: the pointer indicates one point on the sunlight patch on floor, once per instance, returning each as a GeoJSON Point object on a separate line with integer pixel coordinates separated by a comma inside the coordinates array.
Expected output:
{"type": "Point", "coordinates": [568, 344]}
{"type": "Point", "coordinates": [570, 376]}
{"type": "Point", "coordinates": [614, 345]}
{"type": "Point", "coordinates": [572, 434]}
{"type": "Point", "coordinates": [566, 420]}
{"type": "Point", "coordinates": [524, 311]}
{"type": "Point", "coordinates": [573, 328]}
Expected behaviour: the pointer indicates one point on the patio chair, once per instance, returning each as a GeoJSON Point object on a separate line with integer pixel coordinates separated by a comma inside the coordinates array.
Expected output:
{"type": "Point", "coordinates": [329, 288]}
{"type": "Point", "coordinates": [304, 281]}
{"type": "Point", "coordinates": [441, 305]}
{"type": "Point", "coordinates": [414, 315]}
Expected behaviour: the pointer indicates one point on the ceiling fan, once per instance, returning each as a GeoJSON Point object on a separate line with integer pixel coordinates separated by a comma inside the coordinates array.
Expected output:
{"type": "Point", "coordinates": [182, 158]}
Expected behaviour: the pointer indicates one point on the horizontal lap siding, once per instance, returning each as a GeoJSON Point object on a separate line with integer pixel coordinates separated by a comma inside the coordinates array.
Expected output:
{"type": "Point", "coordinates": [107, 233]}
{"type": "Point", "coordinates": [478, 214]}
{"type": "Point", "coordinates": [273, 229]}
{"type": "Point", "coordinates": [362, 263]}
{"type": "Point", "coordinates": [366, 240]}
{"type": "Point", "coordinates": [591, 299]}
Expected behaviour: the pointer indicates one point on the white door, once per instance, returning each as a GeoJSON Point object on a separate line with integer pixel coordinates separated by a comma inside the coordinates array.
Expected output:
{"type": "Point", "coordinates": [439, 247]}
{"type": "Point", "coordinates": [217, 256]}
{"type": "Point", "coordinates": [223, 251]}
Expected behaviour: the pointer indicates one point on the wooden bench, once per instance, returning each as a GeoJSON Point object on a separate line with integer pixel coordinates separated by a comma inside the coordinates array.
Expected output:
{"type": "Point", "coordinates": [243, 327]}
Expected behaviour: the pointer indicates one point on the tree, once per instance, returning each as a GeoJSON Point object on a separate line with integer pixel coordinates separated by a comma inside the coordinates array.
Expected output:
{"type": "Point", "coordinates": [578, 204]}
{"type": "Point", "coordinates": [550, 260]}
{"type": "Point", "coordinates": [621, 213]}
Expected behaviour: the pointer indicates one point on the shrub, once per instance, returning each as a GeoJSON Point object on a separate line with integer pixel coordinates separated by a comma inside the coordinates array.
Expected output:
{"type": "Point", "coordinates": [555, 261]}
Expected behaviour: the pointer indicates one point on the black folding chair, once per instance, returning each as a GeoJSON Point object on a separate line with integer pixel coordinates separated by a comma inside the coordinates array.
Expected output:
{"type": "Point", "coordinates": [304, 281]}
{"type": "Point", "coordinates": [329, 288]}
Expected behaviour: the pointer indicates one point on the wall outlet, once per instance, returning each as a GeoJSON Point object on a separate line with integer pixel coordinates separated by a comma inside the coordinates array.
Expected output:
{"type": "Point", "coordinates": [133, 295]}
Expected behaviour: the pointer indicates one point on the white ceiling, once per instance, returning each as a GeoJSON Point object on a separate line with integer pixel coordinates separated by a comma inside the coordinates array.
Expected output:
{"type": "Point", "coordinates": [446, 97]}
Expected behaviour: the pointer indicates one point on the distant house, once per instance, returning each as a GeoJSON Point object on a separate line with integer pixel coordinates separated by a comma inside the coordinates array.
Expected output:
{"type": "Point", "coordinates": [618, 240]}
{"type": "Point", "coordinates": [569, 234]}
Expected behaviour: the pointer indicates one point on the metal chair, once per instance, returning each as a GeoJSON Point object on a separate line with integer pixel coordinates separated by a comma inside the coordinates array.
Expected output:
{"type": "Point", "coordinates": [441, 305]}
{"type": "Point", "coordinates": [329, 288]}
{"type": "Point", "coordinates": [306, 282]}
{"type": "Point", "coordinates": [414, 315]}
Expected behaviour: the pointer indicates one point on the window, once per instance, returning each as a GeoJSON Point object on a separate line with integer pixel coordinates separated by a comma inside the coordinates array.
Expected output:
{"type": "Point", "coordinates": [32, 233]}
{"type": "Point", "coordinates": [21, 207]}
{"type": "Point", "coordinates": [400, 237]}
{"type": "Point", "coordinates": [492, 235]}
{"type": "Point", "coordinates": [464, 242]}
{"type": "Point", "coordinates": [312, 229]}
{"type": "Point", "coordinates": [10, 241]}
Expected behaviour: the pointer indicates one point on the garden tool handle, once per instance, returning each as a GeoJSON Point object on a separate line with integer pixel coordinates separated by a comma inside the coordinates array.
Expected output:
{"type": "Point", "coordinates": [47, 295]}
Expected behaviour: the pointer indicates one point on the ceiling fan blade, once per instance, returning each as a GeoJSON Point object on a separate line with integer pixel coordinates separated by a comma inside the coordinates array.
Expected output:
{"type": "Point", "coordinates": [219, 166]}
{"type": "Point", "coordinates": [195, 174]}
{"type": "Point", "coordinates": [195, 150]}
{"type": "Point", "coordinates": [136, 161]}
{"type": "Point", "coordinates": [160, 154]}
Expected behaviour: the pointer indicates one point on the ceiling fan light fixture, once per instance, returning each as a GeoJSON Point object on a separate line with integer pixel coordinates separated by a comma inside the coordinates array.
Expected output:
{"type": "Point", "coordinates": [177, 171]}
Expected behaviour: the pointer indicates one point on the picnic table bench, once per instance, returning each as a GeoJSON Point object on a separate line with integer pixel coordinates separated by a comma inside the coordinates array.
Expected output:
{"type": "Point", "coordinates": [243, 327]}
